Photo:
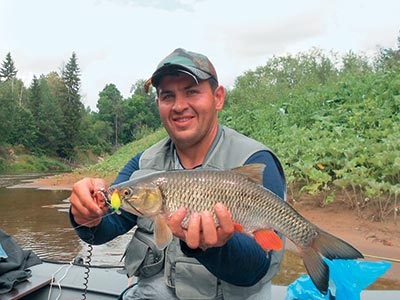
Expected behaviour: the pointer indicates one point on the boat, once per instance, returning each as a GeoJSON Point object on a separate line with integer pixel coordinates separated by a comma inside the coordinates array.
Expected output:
{"type": "Point", "coordinates": [54, 280]}
{"type": "Point", "coordinates": [58, 280]}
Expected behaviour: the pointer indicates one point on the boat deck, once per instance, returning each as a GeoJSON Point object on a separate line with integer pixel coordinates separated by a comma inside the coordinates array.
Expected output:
{"type": "Point", "coordinates": [107, 283]}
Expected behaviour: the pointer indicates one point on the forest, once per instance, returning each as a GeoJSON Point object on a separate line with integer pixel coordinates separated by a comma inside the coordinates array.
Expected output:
{"type": "Point", "coordinates": [48, 118]}
{"type": "Point", "coordinates": [333, 119]}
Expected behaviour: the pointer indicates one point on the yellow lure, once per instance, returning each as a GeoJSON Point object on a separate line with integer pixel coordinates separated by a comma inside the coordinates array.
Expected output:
{"type": "Point", "coordinates": [115, 201]}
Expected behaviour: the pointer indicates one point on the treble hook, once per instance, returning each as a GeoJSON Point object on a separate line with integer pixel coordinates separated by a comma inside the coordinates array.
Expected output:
{"type": "Point", "coordinates": [106, 196]}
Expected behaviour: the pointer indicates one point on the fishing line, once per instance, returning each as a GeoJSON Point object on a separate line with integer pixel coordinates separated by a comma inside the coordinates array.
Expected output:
{"type": "Point", "coordinates": [65, 231]}
{"type": "Point", "coordinates": [88, 223]}
{"type": "Point", "coordinates": [59, 281]}
{"type": "Point", "coordinates": [382, 258]}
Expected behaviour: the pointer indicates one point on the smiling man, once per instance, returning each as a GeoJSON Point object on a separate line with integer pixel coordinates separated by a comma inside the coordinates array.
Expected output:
{"type": "Point", "coordinates": [204, 260]}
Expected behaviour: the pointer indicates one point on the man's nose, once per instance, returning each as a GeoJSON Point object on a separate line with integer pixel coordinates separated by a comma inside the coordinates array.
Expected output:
{"type": "Point", "coordinates": [181, 103]}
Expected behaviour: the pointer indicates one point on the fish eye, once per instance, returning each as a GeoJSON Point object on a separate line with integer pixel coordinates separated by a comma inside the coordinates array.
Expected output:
{"type": "Point", "coordinates": [126, 192]}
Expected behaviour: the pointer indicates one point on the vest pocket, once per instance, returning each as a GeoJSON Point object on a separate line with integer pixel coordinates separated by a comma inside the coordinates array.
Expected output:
{"type": "Point", "coordinates": [193, 281]}
{"type": "Point", "coordinates": [142, 258]}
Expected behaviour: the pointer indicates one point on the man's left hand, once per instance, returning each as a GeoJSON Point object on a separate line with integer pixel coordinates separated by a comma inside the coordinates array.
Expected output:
{"type": "Point", "coordinates": [202, 231]}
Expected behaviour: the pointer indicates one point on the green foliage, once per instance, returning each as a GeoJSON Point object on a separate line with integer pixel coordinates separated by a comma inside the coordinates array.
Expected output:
{"type": "Point", "coordinates": [72, 107]}
{"type": "Point", "coordinates": [7, 69]}
{"type": "Point", "coordinates": [7, 111]}
{"type": "Point", "coordinates": [110, 109]}
{"type": "Point", "coordinates": [139, 115]}
{"type": "Point", "coordinates": [50, 122]}
{"type": "Point", "coordinates": [29, 163]}
{"type": "Point", "coordinates": [23, 131]}
{"type": "Point", "coordinates": [334, 123]}
{"type": "Point", "coordinates": [113, 164]}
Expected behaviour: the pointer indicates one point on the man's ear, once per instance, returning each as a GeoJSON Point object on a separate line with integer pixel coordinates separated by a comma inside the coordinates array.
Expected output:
{"type": "Point", "coordinates": [219, 95]}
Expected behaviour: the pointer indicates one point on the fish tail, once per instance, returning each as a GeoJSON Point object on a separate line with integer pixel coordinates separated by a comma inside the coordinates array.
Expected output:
{"type": "Point", "coordinates": [328, 246]}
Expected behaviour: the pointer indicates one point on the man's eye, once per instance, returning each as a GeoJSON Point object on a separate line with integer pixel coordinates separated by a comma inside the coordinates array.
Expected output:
{"type": "Point", "coordinates": [166, 97]}
{"type": "Point", "coordinates": [192, 92]}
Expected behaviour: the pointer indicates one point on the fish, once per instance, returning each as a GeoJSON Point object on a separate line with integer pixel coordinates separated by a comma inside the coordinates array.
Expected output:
{"type": "Point", "coordinates": [254, 209]}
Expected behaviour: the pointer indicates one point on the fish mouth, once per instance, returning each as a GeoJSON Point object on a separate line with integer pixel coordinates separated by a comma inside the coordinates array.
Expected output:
{"type": "Point", "coordinates": [134, 208]}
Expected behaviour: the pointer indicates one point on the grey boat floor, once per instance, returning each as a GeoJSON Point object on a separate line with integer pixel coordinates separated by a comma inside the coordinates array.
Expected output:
{"type": "Point", "coordinates": [107, 283]}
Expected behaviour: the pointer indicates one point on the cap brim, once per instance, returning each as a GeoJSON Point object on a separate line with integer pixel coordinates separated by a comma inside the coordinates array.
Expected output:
{"type": "Point", "coordinates": [172, 69]}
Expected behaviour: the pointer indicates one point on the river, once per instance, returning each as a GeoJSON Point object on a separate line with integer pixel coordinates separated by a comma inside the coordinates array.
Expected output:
{"type": "Point", "coordinates": [38, 220]}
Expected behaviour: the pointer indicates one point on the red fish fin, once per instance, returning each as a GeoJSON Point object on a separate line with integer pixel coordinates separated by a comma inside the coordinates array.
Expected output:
{"type": "Point", "coordinates": [268, 239]}
{"type": "Point", "coordinates": [238, 227]}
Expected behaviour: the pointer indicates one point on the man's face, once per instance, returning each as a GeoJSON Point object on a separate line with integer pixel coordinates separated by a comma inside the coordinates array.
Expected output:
{"type": "Point", "coordinates": [189, 110]}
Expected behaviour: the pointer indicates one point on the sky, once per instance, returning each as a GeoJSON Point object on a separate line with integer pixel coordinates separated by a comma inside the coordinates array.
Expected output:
{"type": "Point", "coordinates": [122, 41]}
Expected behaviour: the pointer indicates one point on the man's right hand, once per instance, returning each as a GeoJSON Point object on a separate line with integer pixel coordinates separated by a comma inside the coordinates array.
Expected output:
{"type": "Point", "coordinates": [87, 205]}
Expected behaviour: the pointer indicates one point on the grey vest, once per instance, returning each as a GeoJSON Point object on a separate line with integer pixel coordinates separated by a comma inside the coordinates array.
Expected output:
{"type": "Point", "coordinates": [184, 277]}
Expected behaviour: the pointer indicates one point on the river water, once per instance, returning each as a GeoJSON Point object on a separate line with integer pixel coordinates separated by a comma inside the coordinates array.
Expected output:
{"type": "Point", "coordinates": [38, 220]}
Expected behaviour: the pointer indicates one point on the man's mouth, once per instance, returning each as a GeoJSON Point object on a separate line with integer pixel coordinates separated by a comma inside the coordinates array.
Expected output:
{"type": "Point", "coordinates": [182, 119]}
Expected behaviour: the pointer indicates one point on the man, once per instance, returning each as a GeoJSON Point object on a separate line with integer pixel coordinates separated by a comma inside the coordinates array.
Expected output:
{"type": "Point", "coordinates": [204, 261]}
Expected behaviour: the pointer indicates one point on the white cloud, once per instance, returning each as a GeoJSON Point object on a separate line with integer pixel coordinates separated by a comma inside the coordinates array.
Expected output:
{"type": "Point", "coordinates": [122, 41]}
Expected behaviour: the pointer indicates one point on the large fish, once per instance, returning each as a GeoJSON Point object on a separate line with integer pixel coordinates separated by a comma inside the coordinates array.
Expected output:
{"type": "Point", "coordinates": [251, 205]}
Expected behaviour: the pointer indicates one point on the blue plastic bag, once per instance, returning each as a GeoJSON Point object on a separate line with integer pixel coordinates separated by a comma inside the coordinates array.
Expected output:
{"type": "Point", "coordinates": [303, 288]}
{"type": "Point", "coordinates": [3, 254]}
{"type": "Point", "coordinates": [347, 279]}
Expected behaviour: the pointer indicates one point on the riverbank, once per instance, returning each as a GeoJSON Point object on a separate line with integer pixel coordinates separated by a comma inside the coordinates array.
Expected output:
{"type": "Point", "coordinates": [373, 239]}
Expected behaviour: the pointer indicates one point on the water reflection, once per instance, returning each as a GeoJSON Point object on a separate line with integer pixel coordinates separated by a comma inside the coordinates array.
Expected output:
{"type": "Point", "coordinates": [41, 229]}
{"type": "Point", "coordinates": [11, 180]}
{"type": "Point", "coordinates": [38, 220]}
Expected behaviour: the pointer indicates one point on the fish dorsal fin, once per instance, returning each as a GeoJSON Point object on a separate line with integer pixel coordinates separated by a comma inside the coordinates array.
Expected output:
{"type": "Point", "coordinates": [252, 171]}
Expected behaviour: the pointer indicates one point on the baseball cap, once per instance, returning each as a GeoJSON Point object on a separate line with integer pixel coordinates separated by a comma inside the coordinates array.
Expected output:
{"type": "Point", "coordinates": [180, 60]}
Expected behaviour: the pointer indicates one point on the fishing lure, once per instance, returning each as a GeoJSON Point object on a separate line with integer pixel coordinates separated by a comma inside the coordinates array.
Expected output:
{"type": "Point", "coordinates": [113, 201]}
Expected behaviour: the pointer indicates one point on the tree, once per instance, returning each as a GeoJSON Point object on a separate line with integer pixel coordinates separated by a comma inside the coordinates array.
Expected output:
{"type": "Point", "coordinates": [34, 97]}
{"type": "Point", "coordinates": [109, 106]}
{"type": "Point", "coordinates": [7, 111]}
{"type": "Point", "coordinates": [150, 99]}
{"type": "Point", "coordinates": [72, 106]}
{"type": "Point", "coordinates": [388, 58]}
{"type": "Point", "coordinates": [23, 131]}
{"type": "Point", "coordinates": [8, 70]}
{"type": "Point", "coordinates": [51, 137]}
{"type": "Point", "coordinates": [138, 116]}
{"type": "Point", "coordinates": [97, 134]}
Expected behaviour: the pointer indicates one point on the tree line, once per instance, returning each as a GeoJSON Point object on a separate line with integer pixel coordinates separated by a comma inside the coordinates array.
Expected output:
{"type": "Point", "coordinates": [49, 118]}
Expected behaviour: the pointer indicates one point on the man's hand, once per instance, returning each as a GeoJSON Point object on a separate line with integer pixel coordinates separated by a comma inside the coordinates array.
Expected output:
{"type": "Point", "coordinates": [87, 205]}
{"type": "Point", "coordinates": [202, 231]}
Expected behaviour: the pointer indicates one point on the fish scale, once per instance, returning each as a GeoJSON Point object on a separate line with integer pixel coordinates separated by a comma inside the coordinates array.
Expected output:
{"type": "Point", "coordinates": [251, 205]}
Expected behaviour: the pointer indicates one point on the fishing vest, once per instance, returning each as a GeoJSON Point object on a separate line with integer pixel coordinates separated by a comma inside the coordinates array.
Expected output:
{"type": "Point", "coordinates": [184, 277]}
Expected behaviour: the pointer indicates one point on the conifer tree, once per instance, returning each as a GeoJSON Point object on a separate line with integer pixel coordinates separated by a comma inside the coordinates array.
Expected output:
{"type": "Point", "coordinates": [34, 97]}
{"type": "Point", "coordinates": [7, 69]}
{"type": "Point", "coordinates": [109, 105]}
{"type": "Point", "coordinates": [72, 106]}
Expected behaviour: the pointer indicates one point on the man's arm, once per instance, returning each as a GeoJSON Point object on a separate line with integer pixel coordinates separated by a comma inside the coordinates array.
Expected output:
{"type": "Point", "coordinates": [128, 169]}
{"type": "Point", "coordinates": [241, 261]}
{"type": "Point", "coordinates": [111, 224]}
